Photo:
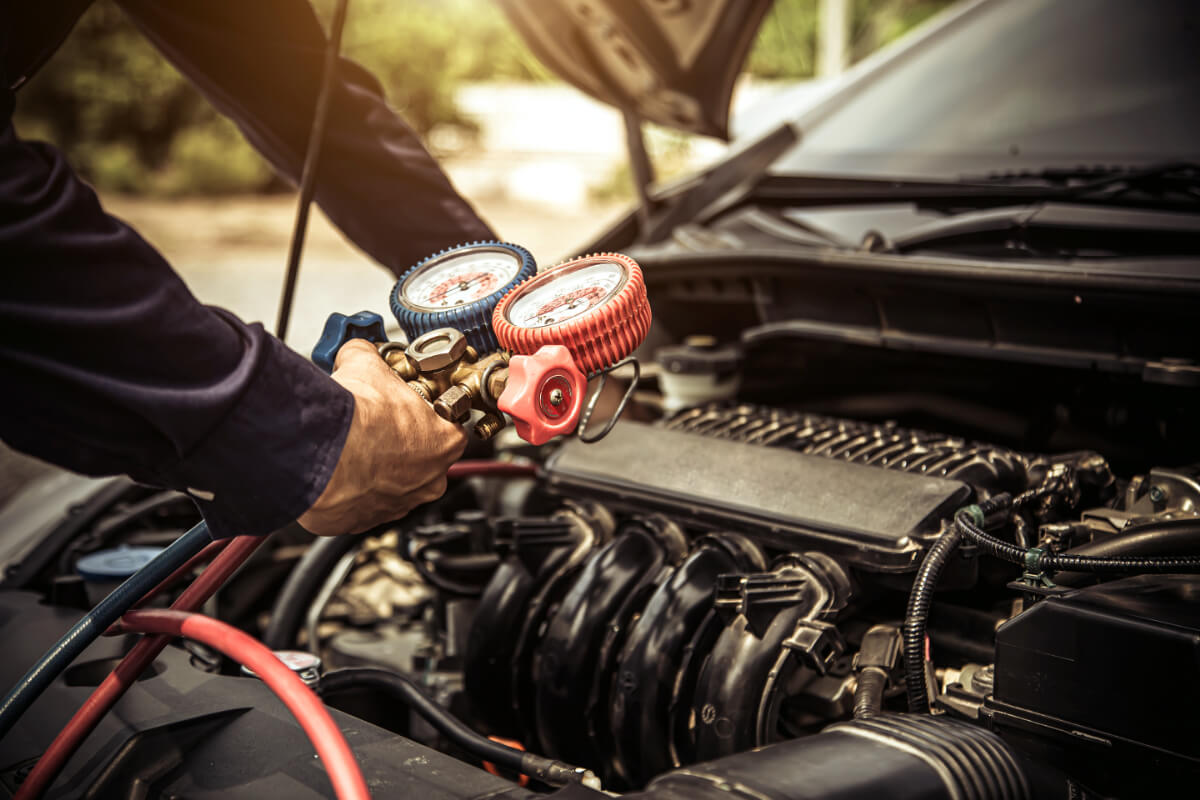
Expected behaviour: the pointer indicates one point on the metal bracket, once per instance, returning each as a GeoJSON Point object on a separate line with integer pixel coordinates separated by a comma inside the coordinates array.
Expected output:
{"type": "Point", "coordinates": [584, 436]}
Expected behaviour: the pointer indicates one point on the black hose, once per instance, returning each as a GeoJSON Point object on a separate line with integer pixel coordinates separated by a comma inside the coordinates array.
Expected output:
{"type": "Point", "coordinates": [1037, 561]}
{"type": "Point", "coordinates": [96, 622]}
{"type": "Point", "coordinates": [450, 726]}
{"type": "Point", "coordinates": [1181, 536]}
{"type": "Point", "coordinates": [301, 586]}
{"type": "Point", "coordinates": [106, 529]}
{"type": "Point", "coordinates": [469, 565]}
{"type": "Point", "coordinates": [920, 598]}
{"type": "Point", "coordinates": [868, 695]}
{"type": "Point", "coordinates": [308, 173]}
{"type": "Point", "coordinates": [916, 619]}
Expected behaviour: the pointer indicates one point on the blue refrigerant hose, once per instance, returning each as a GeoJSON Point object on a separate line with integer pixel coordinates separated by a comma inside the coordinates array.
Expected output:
{"type": "Point", "coordinates": [95, 623]}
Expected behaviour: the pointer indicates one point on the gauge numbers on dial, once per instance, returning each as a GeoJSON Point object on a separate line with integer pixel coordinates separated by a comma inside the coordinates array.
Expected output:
{"type": "Point", "coordinates": [459, 279]}
{"type": "Point", "coordinates": [566, 294]}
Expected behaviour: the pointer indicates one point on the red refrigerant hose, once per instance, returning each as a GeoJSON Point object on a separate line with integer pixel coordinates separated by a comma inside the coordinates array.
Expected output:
{"type": "Point", "coordinates": [232, 553]}
{"type": "Point", "coordinates": [206, 555]}
{"type": "Point", "coordinates": [490, 469]}
{"type": "Point", "coordinates": [310, 712]}
{"type": "Point", "coordinates": [228, 554]}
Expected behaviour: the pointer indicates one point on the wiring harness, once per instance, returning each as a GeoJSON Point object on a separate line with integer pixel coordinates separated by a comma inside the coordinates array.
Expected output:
{"type": "Point", "coordinates": [968, 524]}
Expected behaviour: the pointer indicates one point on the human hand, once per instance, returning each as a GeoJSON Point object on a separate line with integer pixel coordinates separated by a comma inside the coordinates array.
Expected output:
{"type": "Point", "coordinates": [396, 453]}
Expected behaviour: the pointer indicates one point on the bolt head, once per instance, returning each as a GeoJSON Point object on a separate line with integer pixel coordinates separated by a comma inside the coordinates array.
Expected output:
{"type": "Point", "coordinates": [454, 404]}
{"type": "Point", "coordinates": [1157, 494]}
{"type": "Point", "coordinates": [436, 350]}
{"type": "Point", "coordinates": [556, 397]}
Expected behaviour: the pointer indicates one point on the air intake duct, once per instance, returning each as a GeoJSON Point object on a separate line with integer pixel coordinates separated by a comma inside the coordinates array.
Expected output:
{"type": "Point", "coordinates": [894, 756]}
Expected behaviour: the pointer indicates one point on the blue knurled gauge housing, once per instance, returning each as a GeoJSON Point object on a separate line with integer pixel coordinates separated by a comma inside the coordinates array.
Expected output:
{"type": "Point", "coordinates": [459, 288]}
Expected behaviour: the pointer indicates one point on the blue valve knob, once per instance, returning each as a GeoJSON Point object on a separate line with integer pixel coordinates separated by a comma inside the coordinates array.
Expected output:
{"type": "Point", "coordinates": [340, 329]}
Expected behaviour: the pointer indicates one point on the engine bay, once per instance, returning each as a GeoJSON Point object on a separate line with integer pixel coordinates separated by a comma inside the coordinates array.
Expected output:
{"type": "Point", "coordinates": [709, 588]}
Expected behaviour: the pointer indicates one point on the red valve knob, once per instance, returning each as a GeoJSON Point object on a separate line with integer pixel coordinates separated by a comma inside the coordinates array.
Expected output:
{"type": "Point", "coordinates": [544, 394]}
{"type": "Point", "coordinates": [595, 306]}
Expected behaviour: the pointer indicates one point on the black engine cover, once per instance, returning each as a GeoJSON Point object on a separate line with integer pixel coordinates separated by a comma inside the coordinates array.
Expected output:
{"type": "Point", "coordinates": [876, 519]}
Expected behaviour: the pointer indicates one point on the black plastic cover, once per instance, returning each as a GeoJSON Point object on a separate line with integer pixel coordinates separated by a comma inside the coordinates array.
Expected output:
{"type": "Point", "coordinates": [1103, 682]}
{"type": "Point", "coordinates": [180, 732]}
{"type": "Point", "coordinates": [876, 519]}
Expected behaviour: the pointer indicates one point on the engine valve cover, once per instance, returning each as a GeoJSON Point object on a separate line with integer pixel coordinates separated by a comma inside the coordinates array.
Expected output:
{"type": "Point", "coordinates": [876, 519]}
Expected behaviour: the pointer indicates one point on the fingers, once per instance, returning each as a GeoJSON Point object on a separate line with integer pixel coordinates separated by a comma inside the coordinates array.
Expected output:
{"type": "Point", "coordinates": [358, 354]}
{"type": "Point", "coordinates": [395, 455]}
{"type": "Point", "coordinates": [430, 491]}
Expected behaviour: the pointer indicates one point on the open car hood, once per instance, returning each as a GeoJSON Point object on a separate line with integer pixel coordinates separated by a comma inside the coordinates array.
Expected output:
{"type": "Point", "coordinates": [673, 62]}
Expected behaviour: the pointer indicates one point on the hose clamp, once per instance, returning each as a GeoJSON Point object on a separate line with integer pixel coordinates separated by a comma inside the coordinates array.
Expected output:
{"type": "Point", "coordinates": [1034, 574]}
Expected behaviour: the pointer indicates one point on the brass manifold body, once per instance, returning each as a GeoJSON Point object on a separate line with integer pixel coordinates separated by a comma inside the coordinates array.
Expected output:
{"type": "Point", "coordinates": [444, 370]}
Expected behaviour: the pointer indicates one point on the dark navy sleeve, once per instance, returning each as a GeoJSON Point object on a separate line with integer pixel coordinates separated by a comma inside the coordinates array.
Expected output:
{"type": "Point", "coordinates": [108, 364]}
{"type": "Point", "coordinates": [260, 64]}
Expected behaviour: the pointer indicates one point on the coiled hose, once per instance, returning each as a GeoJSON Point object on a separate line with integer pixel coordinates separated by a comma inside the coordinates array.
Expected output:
{"type": "Point", "coordinates": [1175, 536]}
{"type": "Point", "coordinates": [96, 621]}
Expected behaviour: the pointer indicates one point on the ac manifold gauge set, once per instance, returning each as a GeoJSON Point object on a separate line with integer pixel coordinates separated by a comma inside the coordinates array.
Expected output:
{"type": "Point", "coordinates": [488, 332]}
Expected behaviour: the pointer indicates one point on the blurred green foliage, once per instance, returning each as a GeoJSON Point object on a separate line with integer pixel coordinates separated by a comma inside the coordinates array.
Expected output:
{"type": "Point", "coordinates": [786, 47]}
{"type": "Point", "coordinates": [129, 122]}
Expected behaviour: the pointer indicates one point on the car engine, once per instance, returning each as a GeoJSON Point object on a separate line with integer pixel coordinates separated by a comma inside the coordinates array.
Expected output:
{"type": "Point", "coordinates": [716, 602]}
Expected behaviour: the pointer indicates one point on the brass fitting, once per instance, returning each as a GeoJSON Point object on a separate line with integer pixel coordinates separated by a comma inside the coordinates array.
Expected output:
{"type": "Point", "coordinates": [444, 370]}
{"type": "Point", "coordinates": [489, 425]}
{"type": "Point", "coordinates": [454, 404]}
{"type": "Point", "coordinates": [436, 350]}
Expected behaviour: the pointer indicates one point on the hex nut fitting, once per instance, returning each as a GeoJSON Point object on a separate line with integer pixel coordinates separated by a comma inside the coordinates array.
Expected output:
{"type": "Point", "coordinates": [438, 349]}
{"type": "Point", "coordinates": [454, 404]}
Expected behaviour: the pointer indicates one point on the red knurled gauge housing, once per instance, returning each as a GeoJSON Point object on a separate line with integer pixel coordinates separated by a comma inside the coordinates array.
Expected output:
{"type": "Point", "coordinates": [563, 325]}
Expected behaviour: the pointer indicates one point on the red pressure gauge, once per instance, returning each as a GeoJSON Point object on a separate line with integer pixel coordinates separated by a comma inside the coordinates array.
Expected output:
{"type": "Point", "coordinates": [562, 326]}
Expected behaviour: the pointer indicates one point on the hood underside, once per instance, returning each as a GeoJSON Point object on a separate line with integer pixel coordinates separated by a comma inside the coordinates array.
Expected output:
{"type": "Point", "coordinates": [673, 62]}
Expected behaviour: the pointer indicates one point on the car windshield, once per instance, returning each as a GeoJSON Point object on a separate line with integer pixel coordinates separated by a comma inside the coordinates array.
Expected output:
{"type": "Point", "coordinates": [1017, 84]}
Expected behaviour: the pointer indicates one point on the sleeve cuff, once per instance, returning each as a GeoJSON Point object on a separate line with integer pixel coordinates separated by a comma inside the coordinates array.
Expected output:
{"type": "Point", "coordinates": [270, 458]}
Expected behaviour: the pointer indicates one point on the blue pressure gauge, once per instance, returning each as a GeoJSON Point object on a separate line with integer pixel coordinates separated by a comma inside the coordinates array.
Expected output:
{"type": "Point", "coordinates": [458, 288]}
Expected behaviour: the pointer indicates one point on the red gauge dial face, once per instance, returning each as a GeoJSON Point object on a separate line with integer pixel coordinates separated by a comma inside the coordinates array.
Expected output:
{"type": "Point", "coordinates": [596, 306]}
{"type": "Point", "coordinates": [566, 294]}
{"type": "Point", "coordinates": [460, 279]}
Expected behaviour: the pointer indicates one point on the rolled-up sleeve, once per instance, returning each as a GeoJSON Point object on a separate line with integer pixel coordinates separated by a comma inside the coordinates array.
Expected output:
{"type": "Point", "coordinates": [109, 364]}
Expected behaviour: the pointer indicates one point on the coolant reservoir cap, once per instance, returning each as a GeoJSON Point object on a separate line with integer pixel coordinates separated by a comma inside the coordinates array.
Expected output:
{"type": "Point", "coordinates": [306, 666]}
{"type": "Point", "coordinates": [115, 564]}
{"type": "Point", "coordinates": [700, 355]}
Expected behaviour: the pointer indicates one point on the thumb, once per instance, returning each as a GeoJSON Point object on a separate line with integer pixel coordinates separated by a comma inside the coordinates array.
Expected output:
{"type": "Point", "coordinates": [359, 355]}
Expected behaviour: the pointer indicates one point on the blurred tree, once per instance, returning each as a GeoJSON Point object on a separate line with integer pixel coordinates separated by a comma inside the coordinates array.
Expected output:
{"type": "Point", "coordinates": [787, 42]}
{"type": "Point", "coordinates": [111, 102]}
{"type": "Point", "coordinates": [129, 122]}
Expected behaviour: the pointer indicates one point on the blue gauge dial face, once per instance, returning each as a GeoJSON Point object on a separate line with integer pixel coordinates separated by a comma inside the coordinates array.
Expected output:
{"type": "Point", "coordinates": [459, 279]}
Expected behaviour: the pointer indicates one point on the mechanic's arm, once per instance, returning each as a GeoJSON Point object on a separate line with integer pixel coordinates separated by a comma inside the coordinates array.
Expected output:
{"type": "Point", "coordinates": [260, 63]}
{"type": "Point", "coordinates": [109, 365]}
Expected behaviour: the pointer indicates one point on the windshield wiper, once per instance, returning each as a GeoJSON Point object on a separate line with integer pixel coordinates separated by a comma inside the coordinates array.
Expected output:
{"type": "Point", "coordinates": [1167, 187]}
{"type": "Point", "coordinates": [1179, 181]}
{"type": "Point", "coordinates": [1055, 230]}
